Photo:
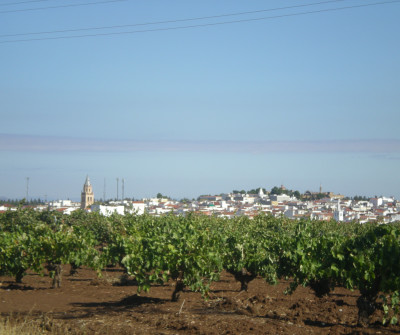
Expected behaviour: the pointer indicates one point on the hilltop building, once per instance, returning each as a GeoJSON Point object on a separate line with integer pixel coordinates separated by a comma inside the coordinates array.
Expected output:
{"type": "Point", "coordinates": [261, 193]}
{"type": "Point", "coordinates": [87, 196]}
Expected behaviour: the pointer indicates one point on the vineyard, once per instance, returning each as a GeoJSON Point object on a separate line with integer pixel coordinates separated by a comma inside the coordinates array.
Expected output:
{"type": "Point", "coordinates": [222, 261]}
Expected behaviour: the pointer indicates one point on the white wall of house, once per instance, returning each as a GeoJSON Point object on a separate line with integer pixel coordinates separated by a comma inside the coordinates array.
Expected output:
{"type": "Point", "coordinates": [137, 208]}
{"type": "Point", "coordinates": [63, 203]}
{"type": "Point", "coordinates": [280, 197]}
{"type": "Point", "coordinates": [291, 212]}
{"type": "Point", "coordinates": [108, 210]}
{"type": "Point", "coordinates": [376, 202]}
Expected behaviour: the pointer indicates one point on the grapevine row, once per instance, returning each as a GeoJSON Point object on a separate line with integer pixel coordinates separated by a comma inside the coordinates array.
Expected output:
{"type": "Point", "coordinates": [194, 250]}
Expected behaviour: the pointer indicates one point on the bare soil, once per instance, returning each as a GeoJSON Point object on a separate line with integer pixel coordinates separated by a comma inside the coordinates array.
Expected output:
{"type": "Point", "coordinates": [86, 304]}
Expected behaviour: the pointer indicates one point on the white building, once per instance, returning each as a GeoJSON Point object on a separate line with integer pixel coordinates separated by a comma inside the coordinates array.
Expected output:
{"type": "Point", "coordinates": [280, 197]}
{"type": "Point", "coordinates": [108, 210]}
{"type": "Point", "coordinates": [338, 214]}
{"type": "Point", "coordinates": [6, 208]}
{"type": "Point", "coordinates": [377, 202]}
{"type": "Point", "coordinates": [138, 207]}
{"type": "Point", "coordinates": [63, 203]}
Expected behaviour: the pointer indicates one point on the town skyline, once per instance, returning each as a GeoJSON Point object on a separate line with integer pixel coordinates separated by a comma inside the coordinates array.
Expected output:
{"type": "Point", "coordinates": [279, 202]}
{"type": "Point", "coordinates": [119, 192]}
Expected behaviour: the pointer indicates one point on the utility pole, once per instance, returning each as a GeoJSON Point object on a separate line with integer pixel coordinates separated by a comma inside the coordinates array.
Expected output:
{"type": "Point", "coordinates": [123, 189]}
{"type": "Point", "coordinates": [117, 187]}
{"type": "Point", "coordinates": [104, 190]}
{"type": "Point", "coordinates": [27, 188]}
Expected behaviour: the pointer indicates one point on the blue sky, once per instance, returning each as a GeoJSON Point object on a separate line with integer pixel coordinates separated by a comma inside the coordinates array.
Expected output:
{"type": "Point", "coordinates": [281, 98]}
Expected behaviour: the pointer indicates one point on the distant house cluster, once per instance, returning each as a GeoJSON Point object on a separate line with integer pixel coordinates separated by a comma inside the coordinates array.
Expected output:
{"type": "Point", "coordinates": [230, 205]}
{"type": "Point", "coordinates": [312, 205]}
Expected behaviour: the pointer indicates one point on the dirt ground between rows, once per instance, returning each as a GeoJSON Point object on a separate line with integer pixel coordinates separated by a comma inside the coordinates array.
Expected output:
{"type": "Point", "coordinates": [88, 305]}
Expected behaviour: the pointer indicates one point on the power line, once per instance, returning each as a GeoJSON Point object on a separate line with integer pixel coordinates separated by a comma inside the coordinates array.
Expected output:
{"type": "Point", "coordinates": [205, 24]}
{"type": "Point", "coordinates": [21, 2]}
{"type": "Point", "coordinates": [61, 6]}
{"type": "Point", "coordinates": [173, 21]}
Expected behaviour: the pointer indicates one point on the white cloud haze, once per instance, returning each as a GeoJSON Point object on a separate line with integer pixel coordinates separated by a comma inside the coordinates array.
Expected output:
{"type": "Point", "coordinates": [34, 143]}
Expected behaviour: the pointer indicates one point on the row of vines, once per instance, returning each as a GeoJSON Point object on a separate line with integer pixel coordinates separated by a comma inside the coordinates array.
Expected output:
{"type": "Point", "coordinates": [194, 250]}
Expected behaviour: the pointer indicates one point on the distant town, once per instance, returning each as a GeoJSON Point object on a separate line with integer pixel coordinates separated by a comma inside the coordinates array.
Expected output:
{"type": "Point", "coordinates": [278, 202]}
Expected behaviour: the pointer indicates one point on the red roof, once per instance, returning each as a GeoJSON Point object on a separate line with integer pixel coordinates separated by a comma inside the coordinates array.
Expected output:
{"type": "Point", "coordinates": [61, 209]}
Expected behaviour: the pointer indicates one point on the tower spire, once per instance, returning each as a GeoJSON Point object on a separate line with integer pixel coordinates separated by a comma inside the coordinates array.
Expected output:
{"type": "Point", "coordinates": [87, 196]}
{"type": "Point", "coordinates": [87, 181]}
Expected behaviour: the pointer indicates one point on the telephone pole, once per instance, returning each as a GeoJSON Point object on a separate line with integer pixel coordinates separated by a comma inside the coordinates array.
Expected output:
{"type": "Point", "coordinates": [117, 187]}
{"type": "Point", "coordinates": [27, 188]}
{"type": "Point", "coordinates": [104, 190]}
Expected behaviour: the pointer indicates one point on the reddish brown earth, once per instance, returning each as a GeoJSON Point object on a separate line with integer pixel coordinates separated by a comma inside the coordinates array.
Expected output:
{"type": "Point", "coordinates": [87, 305]}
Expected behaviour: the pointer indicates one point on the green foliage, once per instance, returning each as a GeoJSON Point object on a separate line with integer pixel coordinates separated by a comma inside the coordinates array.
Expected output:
{"type": "Point", "coordinates": [16, 202]}
{"type": "Point", "coordinates": [193, 250]}
{"type": "Point", "coordinates": [310, 255]}
{"type": "Point", "coordinates": [371, 264]}
{"type": "Point", "coordinates": [29, 239]}
{"type": "Point", "coordinates": [238, 192]}
{"type": "Point", "coordinates": [249, 249]}
{"type": "Point", "coordinates": [257, 190]}
{"type": "Point", "coordinates": [179, 248]}
{"type": "Point", "coordinates": [361, 198]}
{"type": "Point", "coordinates": [161, 196]}
{"type": "Point", "coordinates": [279, 190]}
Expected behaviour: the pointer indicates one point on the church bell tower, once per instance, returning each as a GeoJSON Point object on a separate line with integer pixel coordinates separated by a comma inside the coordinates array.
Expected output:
{"type": "Point", "coordinates": [87, 196]}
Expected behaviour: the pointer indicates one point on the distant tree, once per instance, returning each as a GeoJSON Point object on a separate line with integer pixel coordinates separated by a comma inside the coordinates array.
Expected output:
{"type": "Point", "coordinates": [360, 198]}
{"type": "Point", "coordinates": [256, 190]}
{"type": "Point", "coordinates": [16, 202]}
{"type": "Point", "coordinates": [36, 202]}
{"type": "Point", "coordinates": [238, 192]}
{"type": "Point", "coordinates": [297, 194]}
{"type": "Point", "coordinates": [277, 190]}
{"type": "Point", "coordinates": [161, 196]}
